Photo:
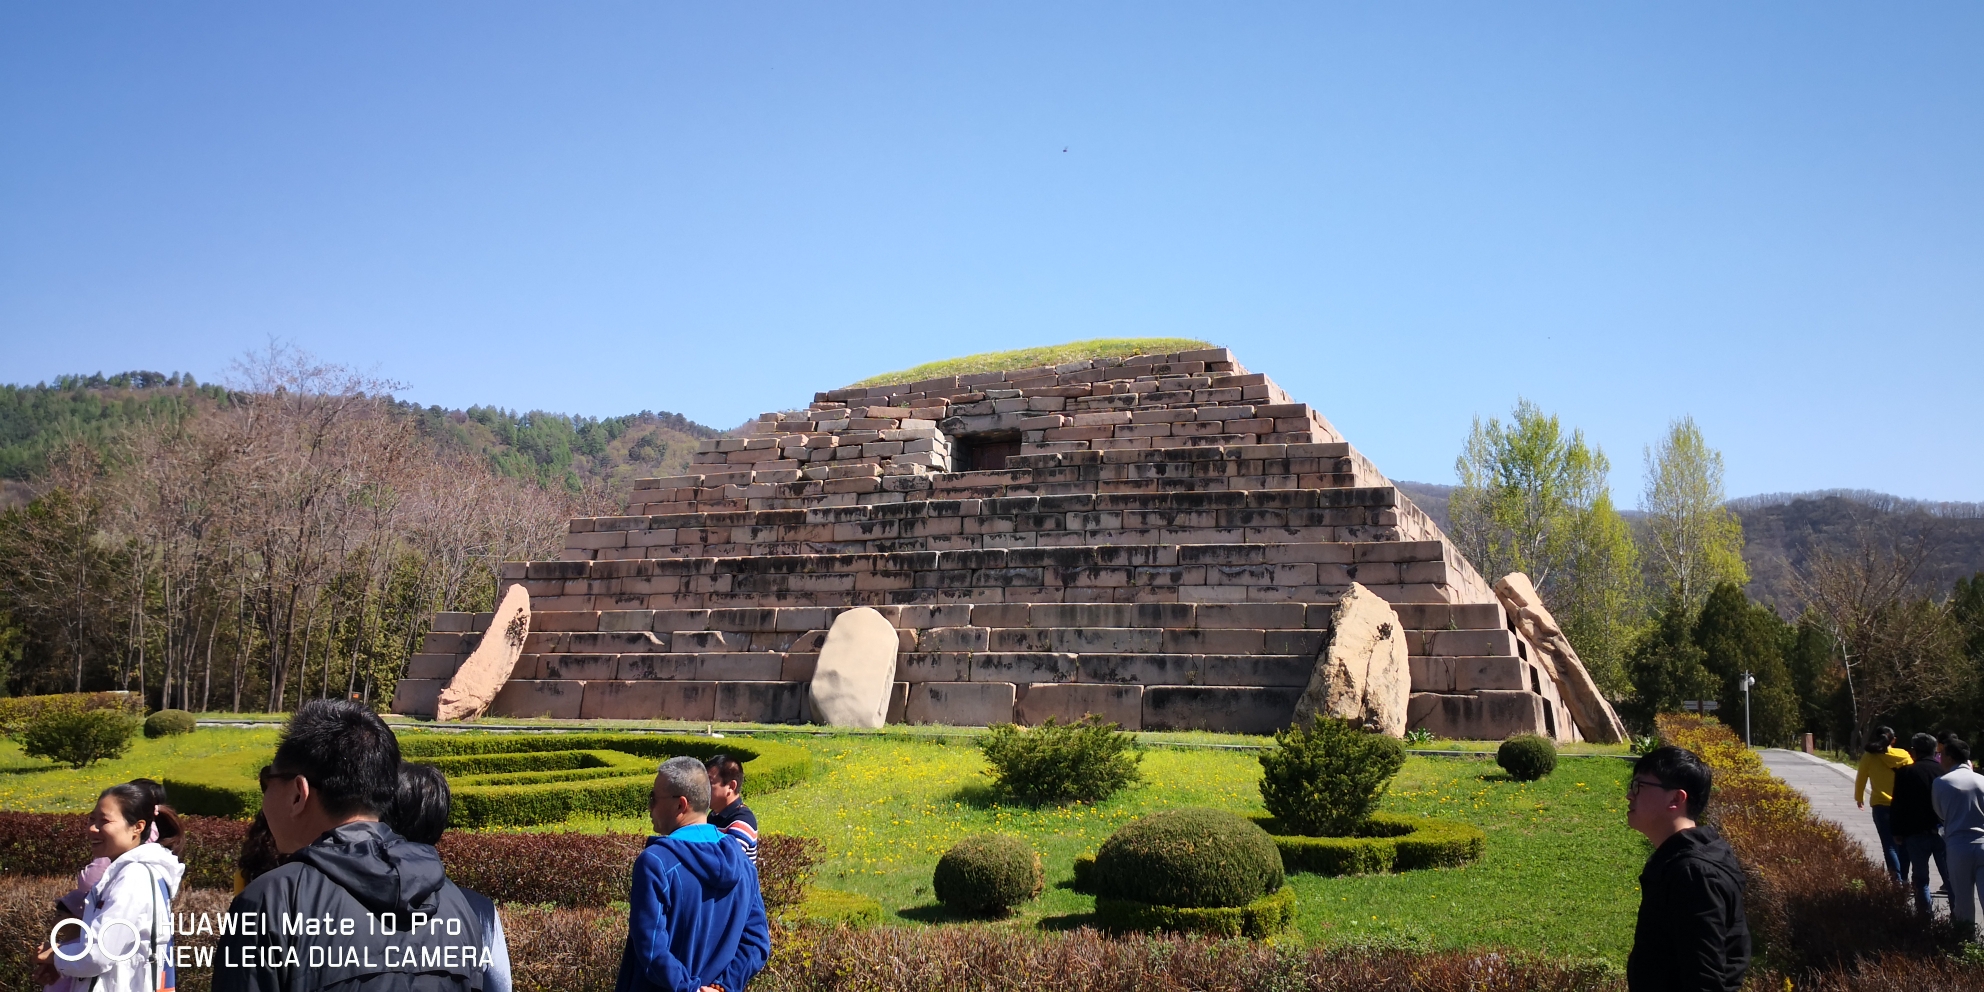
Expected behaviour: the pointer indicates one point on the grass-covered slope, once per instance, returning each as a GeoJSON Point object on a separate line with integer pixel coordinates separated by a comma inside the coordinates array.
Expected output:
{"type": "Point", "coordinates": [1026, 358]}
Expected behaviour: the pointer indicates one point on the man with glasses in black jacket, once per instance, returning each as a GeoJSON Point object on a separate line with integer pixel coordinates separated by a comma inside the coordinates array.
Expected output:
{"type": "Point", "coordinates": [1691, 935]}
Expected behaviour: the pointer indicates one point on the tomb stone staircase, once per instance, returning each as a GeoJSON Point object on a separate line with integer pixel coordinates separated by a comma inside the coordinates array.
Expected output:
{"type": "Point", "coordinates": [1159, 540]}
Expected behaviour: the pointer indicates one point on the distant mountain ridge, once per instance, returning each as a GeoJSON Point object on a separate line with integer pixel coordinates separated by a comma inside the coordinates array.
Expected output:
{"type": "Point", "coordinates": [555, 449]}
{"type": "Point", "coordinates": [1782, 531]}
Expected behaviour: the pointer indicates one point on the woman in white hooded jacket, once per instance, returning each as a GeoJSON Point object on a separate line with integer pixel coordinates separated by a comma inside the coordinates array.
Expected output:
{"type": "Point", "coordinates": [127, 916]}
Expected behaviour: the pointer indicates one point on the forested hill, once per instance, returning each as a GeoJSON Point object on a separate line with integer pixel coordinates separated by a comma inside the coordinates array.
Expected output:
{"type": "Point", "coordinates": [1782, 531]}
{"type": "Point", "coordinates": [555, 449]}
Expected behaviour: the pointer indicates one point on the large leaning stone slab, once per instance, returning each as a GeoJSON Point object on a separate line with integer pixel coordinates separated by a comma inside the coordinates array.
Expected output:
{"type": "Point", "coordinates": [856, 671]}
{"type": "Point", "coordinates": [1596, 719]}
{"type": "Point", "coordinates": [479, 680]}
{"type": "Point", "coordinates": [1364, 674]}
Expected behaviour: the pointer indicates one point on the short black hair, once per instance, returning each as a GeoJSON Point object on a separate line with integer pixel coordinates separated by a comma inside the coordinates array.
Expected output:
{"type": "Point", "coordinates": [420, 807]}
{"type": "Point", "coordinates": [726, 769]}
{"type": "Point", "coordinates": [142, 800]}
{"type": "Point", "coordinates": [1882, 739]}
{"type": "Point", "coordinates": [348, 754]}
{"type": "Point", "coordinates": [1955, 747]}
{"type": "Point", "coordinates": [1678, 768]}
{"type": "Point", "coordinates": [1922, 746]}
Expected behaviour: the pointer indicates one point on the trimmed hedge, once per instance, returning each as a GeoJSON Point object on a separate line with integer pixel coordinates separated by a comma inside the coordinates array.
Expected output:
{"type": "Point", "coordinates": [563, 869]}
{"type": "Point", "coordinates": [1264, 917]}
{"type": "Point", "coordinates": [1188, 857]}
{"type": "Point", "coordinates": [987, 873]}
{"type": "Point", "coordinates": [167, 723]}
{"type": "Point", "coordinates": [1527, 757]}
{"type": "Point", "coordinates": [599, 774]}
{"type": "Point", "coordinates": [57, 844]}
{"type": "Point", "coordinates": [1387, 842]}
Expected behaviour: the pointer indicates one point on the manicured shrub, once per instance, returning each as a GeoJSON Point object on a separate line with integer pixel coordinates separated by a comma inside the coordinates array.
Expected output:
{"type": "Point", "coordinates": [518, 779]}
{"type": "Point", "coordinates": [56, 844]}
{"type": "Point", "coordinates": [16, 712]}
{"type": "Point", "coordinates": [166, 723]}
{"type": "Point", "coordinates": [1188, 857]}
{"type": "Point", "coordinates": [1527, 757]}
{"type": "Point", "coordinates": [79, 738]}
{"type": "Point", "coordinates": [1051, 763]}
{"type": "Point", "coordinates": [1324, 780]}
{"type": "Point", "coordinates": [1385, 842]}
{"type": "Point", "coordinates": [987, 873]}
{"type": "Point", "coordinates": [1264, 917]}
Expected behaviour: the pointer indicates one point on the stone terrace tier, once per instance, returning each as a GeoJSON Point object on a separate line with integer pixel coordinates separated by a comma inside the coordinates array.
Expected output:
{"type": "Point", "coordinates": [1160, 541]}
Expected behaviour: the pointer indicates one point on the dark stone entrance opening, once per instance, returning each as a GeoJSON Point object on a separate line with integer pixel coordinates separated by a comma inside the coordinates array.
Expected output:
{"type": "Point", "coordinates": [985, 452]}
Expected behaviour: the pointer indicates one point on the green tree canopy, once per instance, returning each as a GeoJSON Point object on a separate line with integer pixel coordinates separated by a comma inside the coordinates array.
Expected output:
{"type": "Point", "coordinates": [1693, 542]}
{"type": "Point", "coordinates": [1535, 500]}
{"type": "Point", "coordinates": [1738, 636]}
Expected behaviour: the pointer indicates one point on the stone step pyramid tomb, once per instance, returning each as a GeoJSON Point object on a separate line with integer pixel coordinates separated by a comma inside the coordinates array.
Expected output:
{"type": "Point", "coordinates": [1168, 542]}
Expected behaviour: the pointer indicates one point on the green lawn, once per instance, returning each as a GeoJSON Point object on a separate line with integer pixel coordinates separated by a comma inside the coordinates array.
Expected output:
{"type": "Point", "coordinates": [45, 787]}
{"type": "Point", "coordinates": [1558, 877]}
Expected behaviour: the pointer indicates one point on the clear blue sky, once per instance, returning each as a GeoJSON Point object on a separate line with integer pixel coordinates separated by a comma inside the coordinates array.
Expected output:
{"type": "Point", "coordinates": [1765, 215]}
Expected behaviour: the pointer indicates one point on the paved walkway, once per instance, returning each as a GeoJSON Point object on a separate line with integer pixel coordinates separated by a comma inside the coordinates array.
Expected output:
{"type": "Point", "coordinates": [1829, 787]}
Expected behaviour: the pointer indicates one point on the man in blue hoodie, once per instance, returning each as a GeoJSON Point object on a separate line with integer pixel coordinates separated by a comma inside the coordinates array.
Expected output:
{"type": "Point", "coordinates": [696, 920]}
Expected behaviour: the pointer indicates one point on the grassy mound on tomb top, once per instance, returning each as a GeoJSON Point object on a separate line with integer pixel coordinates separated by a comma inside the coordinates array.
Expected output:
{"type": "Point", "coordinates": [1026, 358]}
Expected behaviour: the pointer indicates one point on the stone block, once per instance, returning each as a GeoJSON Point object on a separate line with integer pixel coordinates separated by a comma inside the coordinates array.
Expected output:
{"type": "Point", "coordinates": [1449, 674]}
{"type": "Point", "coordinates": [644, 667]}
{"type": "Point", "coordinates": [614, 700]}
{"type": "Point", "coordinates": [1122, 705]}
{"type": "Point", "coordinates": [740, 666]}
{"type": "Point", "coordinates": [1469, 643]}
{"type": "Point", "coordinates": [934, 666]}
{"type": "Point", "coordinates": [577, 666]}
{"type": "Point", "coordinates": [416, 697]}
{"type": "Point", "coordinates": [760, 702]}
{"type": "Point", "coordinates": [1084, 640]}
{"type": "Point", "coordinates": [960, 704]}
{"type": "Point", "coordinates": [558, 700]}
{"type": "Point", "coordinates": [1227, 709]}
{"type": "Point", "coordinates": [432, 666]}
{"type": "Point", "coordinates": [1023, 667]}
{"type": "Point", "coordinates": [1490, 715]}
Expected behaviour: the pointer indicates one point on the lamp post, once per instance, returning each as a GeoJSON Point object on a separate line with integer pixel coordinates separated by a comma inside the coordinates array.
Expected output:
{"type": "Point", "coordinates": [1748, 681]}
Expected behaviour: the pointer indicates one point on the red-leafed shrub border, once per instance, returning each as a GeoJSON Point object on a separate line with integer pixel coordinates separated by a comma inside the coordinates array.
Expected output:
{"type": "Point", "coordinates": [1815, 901]}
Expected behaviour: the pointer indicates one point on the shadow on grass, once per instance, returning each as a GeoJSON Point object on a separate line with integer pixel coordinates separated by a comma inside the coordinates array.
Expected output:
{"type": "Point", "coordinates": [985, 795]}
{"type": "Point", "coordinates": [1069, 921]}
{"type": "Point", "coordinates": [937, 912]}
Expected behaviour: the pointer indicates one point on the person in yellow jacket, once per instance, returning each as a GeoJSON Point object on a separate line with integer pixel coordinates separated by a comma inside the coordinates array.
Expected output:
{"type": "Point", "coordinates": [1875, 784]}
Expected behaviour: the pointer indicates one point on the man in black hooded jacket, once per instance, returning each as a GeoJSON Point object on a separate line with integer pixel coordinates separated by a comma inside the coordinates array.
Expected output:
{"type": "Point", "coordinates": [1691, 935]}
{"type": "Point", "coordinates": [355, 906]}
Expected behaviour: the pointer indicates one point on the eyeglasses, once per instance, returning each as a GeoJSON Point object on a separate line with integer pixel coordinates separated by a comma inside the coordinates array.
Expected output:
{"type": "Point", "coordinates": [1633, 787]}
{"type": "Point", "coordinates": [269, 774]}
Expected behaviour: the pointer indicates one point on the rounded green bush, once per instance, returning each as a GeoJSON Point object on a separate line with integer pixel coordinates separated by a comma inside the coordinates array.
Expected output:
{"type": "Point", "coordinates": [166, 723]}
{"type": "Point", "coordinates": [987, 873]}
{"type": "Point", "coordinates": [1527, 757]}
{"type": "Point", "coordinates": [1190, 858]}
